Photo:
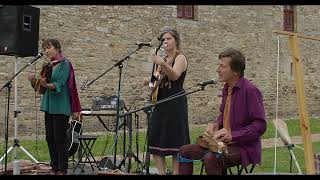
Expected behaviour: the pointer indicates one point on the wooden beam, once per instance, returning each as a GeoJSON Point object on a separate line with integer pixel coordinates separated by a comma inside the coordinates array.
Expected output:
{"type": "Point", "coordinates": [304, 120]}
{"type": "Point", "coordinates": [298, 35]}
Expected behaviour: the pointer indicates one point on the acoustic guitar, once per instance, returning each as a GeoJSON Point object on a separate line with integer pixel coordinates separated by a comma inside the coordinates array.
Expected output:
{"type": "Point", "coordinates": [73, 132]}
{"type": "Point", "coordinates": [159, 76]}
{"type": "Point", "coordinates": [155, 89]}
{"type": "Point", "coordinates": [156, 78]}
{"type": "Point", "coordinates": [46, 72]}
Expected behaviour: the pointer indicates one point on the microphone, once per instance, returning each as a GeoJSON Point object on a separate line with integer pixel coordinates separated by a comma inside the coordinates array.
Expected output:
{"type": "Point", "coordinates": [204, 83]}
{"type": "Point", "coordinates": [144, 44]}
{"type": "Point", "coordinates": [160, 39]}
{"type": "Point", "coordinates": [35, 58]}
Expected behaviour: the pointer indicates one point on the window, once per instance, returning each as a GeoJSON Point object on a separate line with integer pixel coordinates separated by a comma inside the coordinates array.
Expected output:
{"type": "Point", "coordinates": [289, 18]}
{"type": "Point", "coordinates": [185, 11]}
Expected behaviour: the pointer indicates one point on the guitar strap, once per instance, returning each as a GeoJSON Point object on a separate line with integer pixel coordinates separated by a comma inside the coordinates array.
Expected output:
{"type": "Point", "coordinates": [166, 81]}
{"type": "Point", "coordinates": [173, 59]}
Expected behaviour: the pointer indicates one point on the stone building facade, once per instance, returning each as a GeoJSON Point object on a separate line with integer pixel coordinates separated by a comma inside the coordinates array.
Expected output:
{"type": "Point", "coordinates": [94, 38]}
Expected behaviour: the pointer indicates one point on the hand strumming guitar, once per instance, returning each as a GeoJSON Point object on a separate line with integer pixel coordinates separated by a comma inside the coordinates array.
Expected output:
{"type": "Point", "coordinates": [145, 81]}
{"type": "Point", "coordinates": [220, 135]}
{"type": "Point", "coordinates": [212, 128]}
{"type": "Point", "coordinates": [32, 78]}
{"type": "Point", "coordinates": [157, 60]}
{"type": "Point", "coordinates": [43, 82]}
{"type": "Point", "coordinates": [223, 135]}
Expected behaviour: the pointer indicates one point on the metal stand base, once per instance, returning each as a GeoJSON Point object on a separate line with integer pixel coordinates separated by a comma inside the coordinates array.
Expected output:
{"type": "Point", "coordinates": [293, 158]}
{"type": "Point", "coordinates": [16, 162]}
{"type": "Point", "coordinates": [16, 145]}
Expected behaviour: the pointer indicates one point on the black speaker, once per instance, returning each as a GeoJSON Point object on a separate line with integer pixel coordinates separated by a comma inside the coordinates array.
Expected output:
{"type": "Point", "coordinates": [19, 32]}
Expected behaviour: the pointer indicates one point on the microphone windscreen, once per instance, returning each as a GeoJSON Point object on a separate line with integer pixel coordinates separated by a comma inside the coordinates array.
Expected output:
{"type": "Point", "coordinates": [283, 131]}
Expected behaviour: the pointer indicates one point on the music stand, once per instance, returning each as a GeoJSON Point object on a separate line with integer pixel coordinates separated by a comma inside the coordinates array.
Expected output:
{"type": "Point", "coordinates": [16, 165]}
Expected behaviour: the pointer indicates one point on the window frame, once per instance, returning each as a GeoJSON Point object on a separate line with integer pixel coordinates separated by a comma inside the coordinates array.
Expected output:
{"type": "Point", "coordinates": [289, 19]}
{"type": "Point", "coordinates": [186, 11]}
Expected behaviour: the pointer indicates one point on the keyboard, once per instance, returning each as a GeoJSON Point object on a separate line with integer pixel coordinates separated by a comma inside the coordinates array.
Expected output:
{"type": "Point", "coordinates": [99, 113]}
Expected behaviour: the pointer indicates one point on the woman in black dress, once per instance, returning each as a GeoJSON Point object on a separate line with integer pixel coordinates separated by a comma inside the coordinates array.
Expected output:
{"type": "Point", "coordinates": [169, 128]}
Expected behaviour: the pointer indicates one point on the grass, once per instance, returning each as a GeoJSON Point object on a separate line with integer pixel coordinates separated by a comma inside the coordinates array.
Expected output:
{"type": "Point", "coordinates": [293, 127]}
{"type": "Point", "coordinates": [104, 146]}
{"type": "Point", "coordinates": [283, 159]}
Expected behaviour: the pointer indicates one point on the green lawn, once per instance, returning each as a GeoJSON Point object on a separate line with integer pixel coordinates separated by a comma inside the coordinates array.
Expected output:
{"type": "Point", "coordinates": [293, 127]}
{"type": "Point", "coordinates": [283, 159]}
{"type": "Point", "coordinates": [105, 146]}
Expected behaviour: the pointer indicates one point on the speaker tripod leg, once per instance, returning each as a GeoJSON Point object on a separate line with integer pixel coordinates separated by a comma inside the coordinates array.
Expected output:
{"type": "Point", "coordinates": [16, 164]}
{"type": "Point", "coordinates": [25, 151]}
{"type": "Point", "coordinates": [6, 153]}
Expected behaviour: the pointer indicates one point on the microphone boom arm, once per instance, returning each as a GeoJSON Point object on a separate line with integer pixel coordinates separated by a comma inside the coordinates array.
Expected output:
{"type": "Point", "coordinates": [116, 64]}
{"type": "Point", "coordinates": [161, 101]}
{"type": "Point", "coordinates": [15, 75]}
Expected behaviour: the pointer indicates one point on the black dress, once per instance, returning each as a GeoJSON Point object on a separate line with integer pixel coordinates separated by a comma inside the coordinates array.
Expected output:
{"type": "Point", "coordinates": [169, 128]}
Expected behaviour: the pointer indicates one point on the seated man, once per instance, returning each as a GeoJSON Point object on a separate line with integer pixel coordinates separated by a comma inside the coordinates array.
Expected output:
{"type": "Point", "coordinates": [239, 125]}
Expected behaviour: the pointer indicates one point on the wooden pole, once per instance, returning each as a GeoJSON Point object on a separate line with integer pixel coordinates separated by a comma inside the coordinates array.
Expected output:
{"type": "Point", "coordinates": [304, 120]}
{"type": "Point", "coordinates": [298, 35]}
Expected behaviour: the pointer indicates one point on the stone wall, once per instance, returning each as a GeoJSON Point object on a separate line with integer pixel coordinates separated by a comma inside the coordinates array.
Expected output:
{"type": "Point", "coordinates": [95, 37]}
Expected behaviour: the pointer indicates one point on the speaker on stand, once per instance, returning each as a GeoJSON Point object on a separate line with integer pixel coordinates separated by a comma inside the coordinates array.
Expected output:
{"type": "Point", "coordinates": [19, 36]}
{"type": "Point", "coordinates": [19, 32]}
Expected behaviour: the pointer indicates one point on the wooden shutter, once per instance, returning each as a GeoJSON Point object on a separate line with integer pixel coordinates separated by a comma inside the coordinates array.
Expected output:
{"type": "Point", "coordinates": [185, 11]}
{"type": "Point", "coordinates": [288, 18]}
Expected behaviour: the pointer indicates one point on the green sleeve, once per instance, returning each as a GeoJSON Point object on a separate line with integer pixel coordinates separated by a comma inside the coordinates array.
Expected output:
{"type": "Point", "coordinates": [62, 77]}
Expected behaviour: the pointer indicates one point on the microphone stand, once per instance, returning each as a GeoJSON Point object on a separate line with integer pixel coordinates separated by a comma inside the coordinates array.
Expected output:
{"type": "Point", "coordinates": [120, 66]}
{"type": "Point", "coordinates": [148, 109]}
{"type": "Point", "coordinates": [119, 63]}
{"type": "Point", "coordinates": [8, 85]}
{"type": "Point", "coordinates": [293, 158]}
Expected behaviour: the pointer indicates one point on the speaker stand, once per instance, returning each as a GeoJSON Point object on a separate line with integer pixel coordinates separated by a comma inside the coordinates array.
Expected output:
{"type": "Point", "coordinates": [16, 162]}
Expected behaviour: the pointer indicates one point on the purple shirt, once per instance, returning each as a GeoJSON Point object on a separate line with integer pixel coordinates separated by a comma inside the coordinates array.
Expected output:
{"type": "Point", "coordinates": [247, 119]}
